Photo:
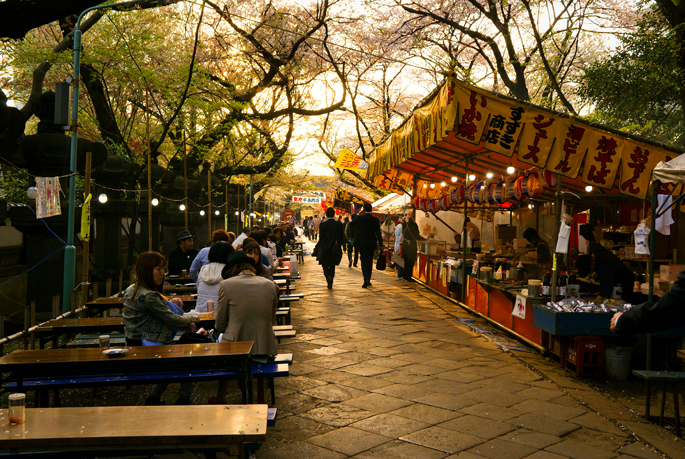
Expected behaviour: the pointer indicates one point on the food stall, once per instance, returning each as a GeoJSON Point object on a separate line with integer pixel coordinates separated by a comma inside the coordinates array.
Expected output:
{"type": "Point", "coordinates": [507, 166]}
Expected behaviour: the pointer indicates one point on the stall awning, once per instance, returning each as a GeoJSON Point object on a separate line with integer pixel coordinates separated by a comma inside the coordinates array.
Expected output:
{"type": "Point", "coordinates": [672, 171]}
{"type": "Point", "coordinates": [460, 122]}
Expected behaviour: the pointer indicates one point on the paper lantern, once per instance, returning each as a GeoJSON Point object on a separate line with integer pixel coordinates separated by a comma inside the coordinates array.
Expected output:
{"type": "Point", "coordinates": [435, 205]}
{"type": "Point", "coordinates": [533, 186]}
{"type": "Point", "coordinates": [416, 202]}
{"type": "Point", "coordinates": [489, 193]}
{"type": "Point", "coordinates": [479, 194]}
{"type": "Point", "coordinates": [448, 201]}
{"type": "Point", "coordinates": [425, 205]}
{"type": "Point", "coordinates": [499, 193]}
{"type": "Point", "coordinates": [458, 195]}
{"type": "Point", "coordinates": [546, 177]}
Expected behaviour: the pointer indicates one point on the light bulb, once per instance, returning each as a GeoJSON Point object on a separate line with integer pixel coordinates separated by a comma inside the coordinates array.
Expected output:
{"type": "Point", "coordinates": [182, 207]}
{"type": "Point", "coordinates": [454, 179]}
{"type": "Point", "coordinates": [588, 188]}
{"type": "Point", "coordinates": [510, 170]}
{"type": "Point", "coordinates": [237, 213]}
{"type": "Point", "coordinates": [443, 183]}
{"type": "Point", "coordinates": [425, 185]}
{"type": "Point", "coordinates": [217, 212]}
{"type": "Point", "coordinates": [155, 202]}
{"type": "Point", "coordinates": [32, 192]}
{"type": "Point", "coordinates": [530, 206]}
{"type": "Point", "coordinates": [202, 212]}
{"type": "Point", "coordinates": [489, 174]}
{"type": "Point", "coordinates": [472, 177]}
{"type": "Point", "coordinates": [432, 185]}
{"type": "Point", "coordinates": [102, 198]}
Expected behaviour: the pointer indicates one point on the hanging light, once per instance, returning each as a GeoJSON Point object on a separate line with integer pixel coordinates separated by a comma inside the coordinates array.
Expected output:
{"type": "Point", "coordinates": [102, 198]}
{"type": "Point", "coordinates": [202, 212]}
{"type": "Point", "coordinates": [32, 192]}
{"type": "Point", "coordinates": [217, 212]}
{"type": "Point", "coordinates": [425, 185]}
{"type": "Point", "coordinates": [432, 185]}
{"type": "Point", "coordinates": [443, 183]}
{"type": "Point", "coordinates": [454, 179]}
{"type": "Point", "coordinates": [472, 177]}
{"type": "Point", "coordinates": [182, 207]}
{"type": "Point", "coordinates": [530, 206]}
{"type": "Point", "coordinates": [510, 170]}
{"type": "Point", "coordinates": [588, 188]}
{"type": "Point", "coordinates": [155, 202]}
{"type": "Point", "coordinates": [489, 175]}
{"type": "Point", "coordinates": [237, 213]}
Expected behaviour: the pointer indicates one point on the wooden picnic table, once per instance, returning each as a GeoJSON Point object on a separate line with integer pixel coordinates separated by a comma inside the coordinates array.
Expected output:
{"type": "Point", "coordinates": [59, 327]}
{"type": "Point", "coordinates": [168, 289]}
{"type": "Point", "coordinates": [81, 362]}
{"type": "Point", "coordinates": [132, 430]}
{"type": "Point", "coordinates": [178, 279]}
{"type": "Point", "coordinates": [104, 303]}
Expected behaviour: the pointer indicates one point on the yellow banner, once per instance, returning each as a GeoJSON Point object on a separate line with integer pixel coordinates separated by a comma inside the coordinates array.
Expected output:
{"type": "Point", "coordinates": [504, 127]}
{"type": "Point", "coordinates": [636, 168]}
{"type": "Point", "coordinates": [602, 160]}
{"type": "Point", "coordinates": [569, 150]}
{"type": "Point", "coordinates": [394, 180]}
{"type": "Point", "coordinates": [473, 114]}
{"type": "Point", "coordinates": [541, 129]}
{"type": "Point", "coordinates": [350, 161]}
{"type": "Point", "coordinates": [85, 219]}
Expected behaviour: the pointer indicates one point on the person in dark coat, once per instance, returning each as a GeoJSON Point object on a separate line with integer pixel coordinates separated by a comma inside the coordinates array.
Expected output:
{"type": "Point", "coordinates": [652, 317]}
{"type": "Point", "coordinates": [350, 233]}
{"type": "Point", "coordinates": [183, 255]}
{"type": "Point", "coordinates": [331, 240]}
{"type": "Point", "coordinates": [368, 233]}
{"type": "Point", "coordinates": [410, 236]}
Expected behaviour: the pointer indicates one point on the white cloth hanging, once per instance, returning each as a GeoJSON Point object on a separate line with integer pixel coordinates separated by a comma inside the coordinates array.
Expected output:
{"type": "Point", "coordinates": [641, 234]}
{"type": "Point", "coordinates": [664, 222]}
{"type": "Point", "coordinates": [563, 238]}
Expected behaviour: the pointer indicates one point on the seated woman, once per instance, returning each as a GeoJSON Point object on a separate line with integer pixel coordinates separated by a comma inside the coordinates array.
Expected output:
{"type": "Point", "coordinates": [210, 275]}
{"type": "Point", "coordinates": [246, 310]}
{"type": "Point", "coordinates": [253, 250]}
{"type": "Point", "coordinates": [260, 238]}
{"type": "Point", "coordinates": [148, 317]}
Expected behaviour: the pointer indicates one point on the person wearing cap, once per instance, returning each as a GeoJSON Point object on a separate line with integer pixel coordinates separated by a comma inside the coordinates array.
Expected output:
{"type": "Point", "coordinates": [246, 310]}
{"type": "Point", "coordinates": [183, 255]}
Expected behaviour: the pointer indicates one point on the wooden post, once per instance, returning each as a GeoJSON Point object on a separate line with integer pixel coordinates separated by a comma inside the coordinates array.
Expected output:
{"type": "Point", "coordinates": [226, 209]}
{"type": "Point", "coordinates": [32, 322]}
{"type": "Point", "coordinates": [108, 287]}
{"type": "Point", "coordinates": [185, 179]}
{"type": "Point", "coordinates": [121, 281]}
{"type": "Point", "coordinates": [209, 203]}
{"type": "Point", "coordinates": [73, 302]}
{"type": "Point", "coordinates": [86, 243]}
{"type": "Point", "coordinates": [464, 282]}
{"type": "Point", "coordinates": [27, 312]}
{"type": "Point", "coordinates": [2, 333]}
{"type": "Point", "coordinates": [96, 290]}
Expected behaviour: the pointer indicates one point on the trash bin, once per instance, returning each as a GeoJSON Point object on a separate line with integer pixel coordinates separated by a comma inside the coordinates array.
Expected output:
{"type": "Point", "coordinates": [617, 362]}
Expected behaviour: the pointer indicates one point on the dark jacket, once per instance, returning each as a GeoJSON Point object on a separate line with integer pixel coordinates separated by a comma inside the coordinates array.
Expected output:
{"type": "Point", "coordinates": [180, 260]}
{"type": "Point", "coordinates": [368, 231]}
{"type": "Point", "coordinates": [611, 272]}
{"type": "Point", "coordinates": [667, 313]}
{"type": "Point", "coordinates": [331, 240]}
{"type": "Point", "coordinates": [410, 236]}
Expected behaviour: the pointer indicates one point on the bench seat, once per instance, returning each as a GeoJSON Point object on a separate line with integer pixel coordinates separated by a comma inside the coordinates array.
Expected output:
{"type": "Point", "coordinates": [674, 377]}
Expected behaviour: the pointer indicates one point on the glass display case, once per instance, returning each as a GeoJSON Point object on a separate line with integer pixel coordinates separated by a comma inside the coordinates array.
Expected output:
{"type": "Point", "coordinates": [432, 247]}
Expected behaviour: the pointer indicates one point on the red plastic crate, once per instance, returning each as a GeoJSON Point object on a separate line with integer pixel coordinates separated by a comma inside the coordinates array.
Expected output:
{"type": "Point", "coordinates": [558, 349]}
{"type": "Point", "coordinates": [584, 355]}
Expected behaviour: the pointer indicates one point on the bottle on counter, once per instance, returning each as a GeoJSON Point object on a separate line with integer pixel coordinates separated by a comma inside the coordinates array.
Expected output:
{"type": "Point", "coordinates": [561, 288]}
{"type": "Point", "coordinates": [572, 278]}
{"type": "Point", "coordinates": [546, 289]}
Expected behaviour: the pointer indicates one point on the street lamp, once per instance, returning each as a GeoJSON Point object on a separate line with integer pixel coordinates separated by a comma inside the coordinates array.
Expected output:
{"type": "Point", "coordinates": [70, 250]}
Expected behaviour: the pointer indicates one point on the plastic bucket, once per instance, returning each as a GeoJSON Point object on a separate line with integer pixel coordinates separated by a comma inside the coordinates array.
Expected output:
{"type": "Point", "coordinates": [617, 362]}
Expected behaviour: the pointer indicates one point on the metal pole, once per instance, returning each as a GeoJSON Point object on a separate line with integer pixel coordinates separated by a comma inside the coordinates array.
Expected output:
{"type": "Point", "coordinates": [209, 203]}
{"type": "Point", "coordinates": [652, 238]}
{"type": "Point", "coordinates": [226, 208]}
{"type": "Point", "coordinates": [86, 244]}
{"type": "Point", "coordinates": [557, 215]}
{"type": "Point", "coordinates": [149, 171]}
{"type": "Point", "coordinates": [249, 210]}
{"type": "Point", "coordinates": [464, 285]}
{"type": "Point", "coordinates": [185, 183]}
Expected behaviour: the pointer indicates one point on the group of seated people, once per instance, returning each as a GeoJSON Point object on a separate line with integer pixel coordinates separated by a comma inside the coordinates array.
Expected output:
{"type": "Point", "coordinates": [237, 278]}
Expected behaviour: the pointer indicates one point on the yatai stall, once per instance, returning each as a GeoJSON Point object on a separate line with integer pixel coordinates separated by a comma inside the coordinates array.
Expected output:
{"type": "Point", "coordinates": [482, 170]}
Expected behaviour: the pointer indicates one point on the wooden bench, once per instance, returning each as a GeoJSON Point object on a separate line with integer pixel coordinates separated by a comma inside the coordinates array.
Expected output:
{"type": "Point", "coordinates": [283, 316]}
{"type": "Point", "coordinates": [132, 430]}
{"type": "Point", "coordinates": [284, 333]}
{"type": "Point", "coordinates": [674, 377]}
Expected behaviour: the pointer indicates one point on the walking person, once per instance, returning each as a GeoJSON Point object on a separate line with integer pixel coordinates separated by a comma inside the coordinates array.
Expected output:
{"type": "Point", "coordinates": [409, 248]}
{"type": "Point", "coordinates": [397, 248]}
{"type": "Point", "coordinates": [367, 238]}
{"type": "Point", "coordinates": [350, 232]}
{"type": "Point", "coordinates": [329, 252]}
{"type": "Point", "coordinates": [316, 221]}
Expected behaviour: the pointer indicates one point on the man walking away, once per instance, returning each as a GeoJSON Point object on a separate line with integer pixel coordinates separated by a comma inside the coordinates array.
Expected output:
{"type": "Point", "coordinates": [330, 245]}
{"type": "Point", "coordinates": [350, 232]}
{"type": "Point", "coordinates": [367, 238]}
{"type": "Point", "coordinates": [316, 221]}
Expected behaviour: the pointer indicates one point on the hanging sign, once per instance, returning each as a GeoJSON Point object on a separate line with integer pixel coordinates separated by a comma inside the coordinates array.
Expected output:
{"type": "Point", "coordinates": [85, 219]}
{"type": "Point", "coordinates": [308, 199]}
{"type": "Point", "coordinates": [47, 204]}
{"type": "Point", "coordinates": [519, 307]}
{"type": "Point", "coordinates": [350, 161]}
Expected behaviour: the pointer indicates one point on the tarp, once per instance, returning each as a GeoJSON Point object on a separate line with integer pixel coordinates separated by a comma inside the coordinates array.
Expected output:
{"type": "Point", "coordinates": [672, 171]}
{"type": "Point", "coordinates": [392, 204]}
{"type": "Point", "coordinates": [460, 122]}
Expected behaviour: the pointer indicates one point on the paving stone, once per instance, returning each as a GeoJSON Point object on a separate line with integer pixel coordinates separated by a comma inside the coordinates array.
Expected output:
{"type": "Point", "coordinates": [529, 438]}
{"type": "Point", "coordinates": [545, 455]}
{"type": "Point", "coordinates": [460, 376]}
{"type": "Point", "coordinates": [500, 449]}
{"type": "Point", "coordinates": [639, 450]}
{"type": "Point", "coordinates": [296, 428]}
{"type": "Point", "coordinates": [298, 403]}
{"type": "Point", "coordinates": [400, 450]}
{"type": "Point", "coordinates": [332, 362]}
{"type": "Point", "coordinates": [402, 376]}
{"type": "Point", "coordinates": [349, 440]}
{"type": "Point", "coordinates": [337, 414]}
{"type": "Point", "coordinates": [546, 409]}
{"type": "Point", "coordinates": [410, 357]}
{"type": "Point", "coordinates": [334, 392]}
{"type": "Point", "coordinates": [299, 450]}
{"type": "Point", "coordinates": [597, 422]}
{"type": "Point", "coordinates": [302, 369]}
{"type": "Point", "coordinates": [390, 425]}
{"type": "Point", "coordinates": [576, 450]}
{"type": "Point", "coordinates": [366, 369]}
{"type": "Point", "coordinates": [481, 427]}
{"type": "Point", "coordinates": [446, 364]}
{"type": "Point", "coordinates": [377, 403]}
{"type": "Point", "coordinates": [426, 413]}
{"type": "Point", "coordinates": [545, 425]}
{"type": "Point", "coordinates": [389, 363]}
{"type": "Point", "coordinates": [441, 439]}
{"type": "Point", "coordinates": [300, 383]}
{"type": "Point", "coordinates": [423, 369]}
{"type": "Point", "coordinates": [331, 376]}
{"type": "Point", "coordinates": [502, 385]}
{"type": "Point", "coordinates": [327, 351]}
{"type": "Point", "coordinates": [485, 410]}
{"type": "Point", "coordinates": [487, 370]}
{"type": "Point", "coordinates": [449, 402]}
{"type": "Point", "coordinates": [494, 397]}
{"type": "Point", "coordinates": [539, 393]}
{"type": "Point", "coordinates": [383, 351]}
{"type": "Point", "coordinates": [402, 391]}
{"type": "Point", "coordinates": [365, 382]}
{"type": "Point", "coordinates": [466, 455]}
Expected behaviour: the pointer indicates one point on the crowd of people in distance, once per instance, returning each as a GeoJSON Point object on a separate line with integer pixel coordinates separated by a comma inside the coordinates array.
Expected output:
{"type": "Point", "coordinates": [234, 277]}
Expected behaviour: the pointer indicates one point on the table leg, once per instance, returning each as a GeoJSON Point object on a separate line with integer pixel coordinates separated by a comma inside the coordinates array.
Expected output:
{"type": "Point", "coordinates": [663, 405]}
{"type": "Point", "coordinates": [647, 399]}
{"type": "Point", "coordinates": [676, 407]}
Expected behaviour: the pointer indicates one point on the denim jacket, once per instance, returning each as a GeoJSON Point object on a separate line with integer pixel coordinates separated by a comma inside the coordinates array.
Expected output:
{"type": "Point", "coordinates": [147, 316]}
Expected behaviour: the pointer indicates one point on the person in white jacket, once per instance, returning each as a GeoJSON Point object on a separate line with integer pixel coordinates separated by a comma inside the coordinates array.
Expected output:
{"type": "Point", "coordinates": [210, 275]}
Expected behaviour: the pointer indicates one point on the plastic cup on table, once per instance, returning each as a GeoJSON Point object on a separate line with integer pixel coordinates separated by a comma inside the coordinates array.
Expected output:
{"type": "Point", "coordinates": [104, 342]}
{"type": "Point", "coordinates": [17, 408]}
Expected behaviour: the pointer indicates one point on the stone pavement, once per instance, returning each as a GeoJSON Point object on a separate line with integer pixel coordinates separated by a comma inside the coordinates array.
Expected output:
{"type": "Point", "coordinates": [386, 372]}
